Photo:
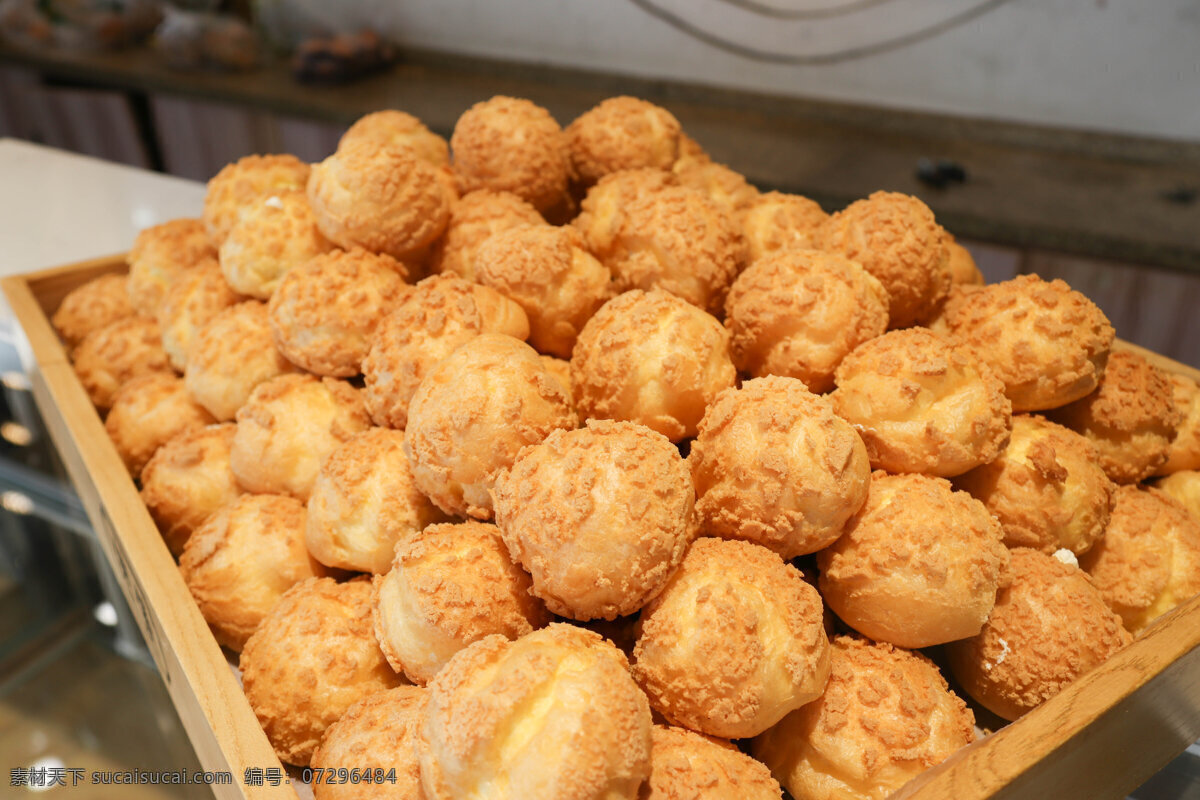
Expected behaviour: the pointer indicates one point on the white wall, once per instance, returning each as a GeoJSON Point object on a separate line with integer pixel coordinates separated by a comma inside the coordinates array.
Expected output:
{"type": "Point", "coordinates": [1118, 65]}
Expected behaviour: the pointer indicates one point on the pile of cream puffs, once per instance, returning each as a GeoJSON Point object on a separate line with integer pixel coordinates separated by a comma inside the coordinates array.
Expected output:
{"type": "Point", "coordinates": [565, 464]}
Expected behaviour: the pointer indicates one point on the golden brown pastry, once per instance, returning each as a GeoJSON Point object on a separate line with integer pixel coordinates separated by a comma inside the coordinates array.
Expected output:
{"type": "Point", "coordinates": [231, 354]}
{"type": "Point", "coordinates": [922, 404]}
{"type": "Point", "coordinates": [961, 265]}
{"type": "Point", "coordinates": [918, 565]}
{"type": "Point", "coordinates": [245, 182]}
{"type": "Point", "coordinates": [548, 273]}
{"type": "Point", "coordinates": [273, 235]}
{"type": "Point", "coordinates": [312, 657]}
{"type": "Point", "coordinates": [147, 411]}
{"type": "Point", "coordinates": [1045, 488]}
{"type": "Point", "coordinates": [111, 356]}
{"type": "Point", "coordinates": [242, 559]}
{"type": "Point", "coordinates": [428, 324]}
{"type": "Point", "coordinates": [622, 133]}
{"type": "Point", "coordinates": [728, 189]}
{"type": "Point", "coordinates": [560, 370]}
{"type": "Point", "coordinates": [1148, 561]}
{"type": "Point", "coordinates": [389, 128]}
{"type": "Point", "coordinates": [364, 501]}
{"type": "Point", "coordinates": [1184, 450]}
{"type": "Point", "coordinates": [450, 585]}
{"type": "Point", "coordinates": [512, 145]}
{"type": "Point", "coordinates": [733, 643]}
{"type": "Point", "coordinates": [325, 311]}
{"type": "Point", "coordinates": [162, 254]}
{"type": "Point", "coordinates": [653, 358]}
{"type": "Point", "coordinates": [1045, 341]}
{"type": "Point", "coordinates": [948, 308]}
{"type": "Point", "coordinates": [773, 464]}
{"type": "Point", "coordinates": [678, 240]}
{"type": "Point", "coordinates": [799, 312]}
{"type": "Point", "coordinates": [383, 199]}
{"type": "Point", "coordinates": [895, 238]}
{"type": "Point", "coordinates": [1049, 626]}
{"type": "Point", "coordinates": [776, 221]}
{"type": "Point", "coordinates": [1184, 486]}
{"type": "Point", "coordinates": [187, 479]}
{"type": "Point", "coordinates": [600, 516]}
{"type": "Point", "coordinates": [92, 305]}
{"type": "Point", "coordinates": [1131, 417]}
{"type": "Point", "coordinates": [287, 428]}
{"type": "Point", "coordinates": [886, 717]}
{"type": "Point", "coordinates": [377, 734]}
{"type": "Point", "coordinates": [189, 304]}
{"type": "Point", "coordinates": [685, 765]}
{"type": "Point", "coordinates": [474, 218]}
{"type": "Point", "coordinates": [472, 414]}
{"type": "Point", "coordinates": [553, 715]}
{"type": "Point", "coordinates": [603, 209]}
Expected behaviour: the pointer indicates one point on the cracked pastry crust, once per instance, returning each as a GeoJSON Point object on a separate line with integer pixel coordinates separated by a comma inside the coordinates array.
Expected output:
{"type": "Point", "coordinates": [111, 356]}
{"type": "Point", "coordinates": [273, 235]}
{"type": "Point", "coordinates": [244, 183]}
{"type": "Point", "coordinates": [450, 585]}
{"type": "Point", "coordinates": [886, 716]}
{"type": "Point", "coordinates": [1184, 450]}
{"type": "Point", "coordinates": [776, 221]}
{"type": "Point", "coordinates": [1184, 486]}
{"type": "Point", "coordinates": [391, 128]}
{"type": "Point", "coordinates": [553, 715]}
{"type": "Point", "coordinates": [733, 643]}
{"type": "Point", "coordinates": [604, 206]}
{"type": "Point", "coordinates": [727, 188]}
{"type": "Point", "coordinates": [922, 404]}
{"type": "Point", "coordinates": [147, 411]}
{"type": "Point", "coordinates": [161, 255]}
{"type": "Point", "coordinates": [474, 218]}
{"type": "Point", "coordinates": [600, 516]}
{"type": "Point", "coordinates": [622, 133]}
{"type": "Point", "coordinates": [189, 304]}
{"type": "Point", "coordinates": [99, 302]}
{"type": "Point", "coordinates": [1050, 626]}
{"type": "Point", "coordinates": [685, 765]}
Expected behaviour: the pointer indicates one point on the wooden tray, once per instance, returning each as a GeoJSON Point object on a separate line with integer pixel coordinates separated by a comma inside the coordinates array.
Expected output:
{"type": "Point", "coordinates": [1101, 737]}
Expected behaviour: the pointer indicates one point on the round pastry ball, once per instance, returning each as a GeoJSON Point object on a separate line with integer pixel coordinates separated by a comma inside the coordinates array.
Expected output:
{"type": "Point", "coordinates": [776, 221]}
{"type": "Point", "coordinates": [245, 182]}
{"type": "Point", "coordinates": [92, 305]}
{"type": "Point", "coordinates": [187, 479]}
{"type": "Point", "coordinates": [1047, 343]}
{"type": "Point", "coordinates": [1148, 561]}
{"type": "Point", "coordinates": [653, 358]}
{"type": "Point", "coordinates": [799, 312]}
{"type": "Point", "coordinates": [1184, 450]}
{"type": "Point", "coordinates": [733, 643]}
{"type": "Point", "coordinates": [111, 356]}
{"type": "Point", "coordinates": [727, 188]}
{"type": "Point", "coordinates": [160, 255]}
{"type": "Point", "coordinates": [390, 128]}
{"type": "Point", "coordinates": [1131, 418]}
{"type": "Point", "coordinates": [273, 235]}
{"type": "Point", "coordinates": [384, 199]}
{"type": "Point", "coordinates": [948, 308]}
{"type": "Point", "coordinates": [560, 370]}
{"type": "Point", "coordinates": [896, 239]}
{"type": "Point", "coordinates": [364, 501]}
{"type": "Point", "coordinates": [428, 324]}
{"type": "Point", "coordinates": [231, 354]}
{"type": "Point", "coordinates": [684, 764]}
{"type": "Point", "coordinates": [148, 411]}
{"type": "Point", "coordinates": [1049, 626]}
{"type": "Point", "coordinates": [886, 717]}
{"type": "Point", "coordinates": [325, 311]}
{"type": "Point", "coordinates": [377, 734]}
{"type": "Point", "coordinates": [287, 428]}
{"type": "Point", "coordinates": [622, 133]}
{"type": "Point", "coordinates": [508, 144]}
{"type": "Point", "coordinates": [600, 516]}
{"type": "Point", "coordinates": [679, 240]}
{"type": "Point", "coordinates": [961, 265]}
{"type": "Point", "coordinates": [918, 565]}
{"type": "Point", "coordinates": [604, 206]}
{"type": "Point", "coordinates": [311, 658]}
{"type": "Point", "coordinates": [1045, 488]}
{"type": "Point", "coordinates": [922, 404]}
{"type": "Point", "coordinates": [553, 715]}
{"type": "Point", "coordinates": [1184, 486]}
{"type": "Point", "coordinates": [472, 414]}
{"type": "Point", "coordinates": [773, 464]}
{"type": "Point", "coordinates": [548, 273]}
{"type": "Point", "coordinates": [474, 218]}
{"type": "Point", "coordinates": [242, 559]}
{"type": "Point", "coordinates": [189, 304]}
{"type": "Point", "coordinates": [450, 586]}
